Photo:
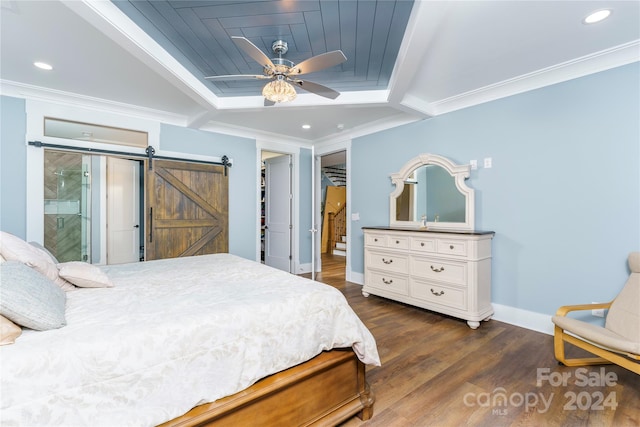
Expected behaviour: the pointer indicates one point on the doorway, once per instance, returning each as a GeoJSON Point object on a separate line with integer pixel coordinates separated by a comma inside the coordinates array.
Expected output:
{"type": "Point", "coordinates": [123, 210]}
{"type": "Point", "coordinates": [333, 211]}
{"type": "Point", "coordinates": [91, 207]}
{"type": "Point", "coordinates": [276, 210]}
{"type": "Point", "coordinates": [67, 205]}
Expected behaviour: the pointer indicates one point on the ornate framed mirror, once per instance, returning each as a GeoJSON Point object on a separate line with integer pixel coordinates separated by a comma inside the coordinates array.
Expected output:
{"type": "Point", "coordinates": [431, 193]}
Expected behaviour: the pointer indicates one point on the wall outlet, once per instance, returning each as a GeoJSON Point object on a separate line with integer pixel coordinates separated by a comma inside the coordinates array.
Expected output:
{"type": "Point", "coordinates": [598, 312]}
{"type": "Point", "coordinates": [474, 164]}
{"type": "Point", "coordinates": [488, 162]}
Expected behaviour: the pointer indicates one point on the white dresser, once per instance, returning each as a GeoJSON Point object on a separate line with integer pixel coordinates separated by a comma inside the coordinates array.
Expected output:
{"type": "Point", "coordinates": [442, 271]}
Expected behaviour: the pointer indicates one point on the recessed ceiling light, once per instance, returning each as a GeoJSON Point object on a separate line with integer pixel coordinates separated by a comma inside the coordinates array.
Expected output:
{"type": "Point", "coordinates": [597, 16]}
{"type": "Point", "coordinates": [43, 66]}
{"type": "Point", "coordinates": [306, 126]}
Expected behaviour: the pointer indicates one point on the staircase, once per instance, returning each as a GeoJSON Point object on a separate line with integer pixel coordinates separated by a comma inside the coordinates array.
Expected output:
{"type": "Point", "coordinates": [340, 247]}
{"type": "Point", "coordinates": [338, 231]}
{"type": "Point", "coordinates": [337, 174]}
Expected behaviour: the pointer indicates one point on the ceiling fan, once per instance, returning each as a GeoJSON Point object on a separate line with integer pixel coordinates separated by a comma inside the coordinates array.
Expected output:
{"type": "Point", "coordinates": [283, 73]}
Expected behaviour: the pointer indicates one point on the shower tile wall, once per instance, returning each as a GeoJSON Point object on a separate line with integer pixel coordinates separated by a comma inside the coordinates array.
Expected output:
{"type": "Point", "coordinates": [62, 195]}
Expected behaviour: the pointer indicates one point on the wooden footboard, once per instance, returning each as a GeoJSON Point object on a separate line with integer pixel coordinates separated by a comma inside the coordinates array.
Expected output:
{"type": "Point", "coordinates": [326, 390]}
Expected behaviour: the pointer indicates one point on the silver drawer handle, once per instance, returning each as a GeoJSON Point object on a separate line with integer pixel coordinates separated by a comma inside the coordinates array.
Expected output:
{"type": "Point", "coordinates": [437, 293]}
{"type": "Point", "coordinates": [387, 282]}
{"type": "Point", "coordinates": [437, 270]}
{"type": "Point", "coordinates": [387, 261]}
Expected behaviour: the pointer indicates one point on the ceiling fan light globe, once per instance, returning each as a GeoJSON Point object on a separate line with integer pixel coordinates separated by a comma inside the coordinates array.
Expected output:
{"type": "Point", "coordinates": [279, 91]}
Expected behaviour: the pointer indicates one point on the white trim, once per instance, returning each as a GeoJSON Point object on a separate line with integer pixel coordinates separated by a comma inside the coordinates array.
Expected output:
{"type": "Point", "coordinates": [36, 111]}
{"type": "Point", "coordinates": [525, 319]}
{"type": "Point", "coordinates": [294, 151]}
{"type": "Point", "coordinates": [304, 268]}
{"type": "Point", "coordinates": [617, 56]}
{"type": "Point", "coordinates": [502, 313]}
{"type": "Point", "coordinates": [320, 151]}
{"type": "Point", "coordinates": [69, 99]}
{"type": "Point", "coordinates": [368, 128]}
{"type": "Point", "coordinates": [357, 278]}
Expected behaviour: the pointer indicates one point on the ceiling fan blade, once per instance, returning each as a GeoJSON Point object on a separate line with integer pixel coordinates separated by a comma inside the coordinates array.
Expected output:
{"type": "Point", "coordinates": [319, 62]}
{"type": "Point", "coordinates": [239, 77]}
{"type": "Point", "coordinates": [316, 88]}
{"type": "Point", "coordinates": [268, 103]}
{"type": "Point", "coordinates": [253, 51]}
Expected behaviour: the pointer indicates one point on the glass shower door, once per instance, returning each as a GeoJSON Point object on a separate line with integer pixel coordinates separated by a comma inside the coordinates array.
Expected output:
{"type": "Point", "coordinates": [67, 205]}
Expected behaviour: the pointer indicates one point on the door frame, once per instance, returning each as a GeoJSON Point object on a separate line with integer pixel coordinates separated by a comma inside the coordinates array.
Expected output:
{"type": "Point", "coordinates": [138, 207]}
{"type": "Point", "coordinates": [268, 197]}
{"type": "Point", "coordinates": [294, 151]}
{"type": "Point", "coordinates": [319, 151]}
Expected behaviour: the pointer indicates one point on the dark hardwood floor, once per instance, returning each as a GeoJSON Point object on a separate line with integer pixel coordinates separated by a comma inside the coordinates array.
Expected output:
{"type": "Point", "coordinates": [436, 371]}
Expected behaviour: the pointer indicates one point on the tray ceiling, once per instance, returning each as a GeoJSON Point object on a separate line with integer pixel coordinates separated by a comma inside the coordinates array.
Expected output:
{"type": "Point", "coordinates": [406, 60]}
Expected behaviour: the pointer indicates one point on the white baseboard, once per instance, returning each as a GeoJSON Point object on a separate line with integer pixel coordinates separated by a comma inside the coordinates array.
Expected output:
{"type": "Point", "coordinates": [503, 313]}
{"type": "Point", "coordinates": [354, 277]}
{"type": "Point", "coordinates": [526, 319]}
{"type": "Point", "coordinates": [303, 268]}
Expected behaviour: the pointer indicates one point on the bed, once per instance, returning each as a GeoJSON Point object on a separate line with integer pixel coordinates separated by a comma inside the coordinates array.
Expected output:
{"type": "Point", "coordinates": [211, 339]}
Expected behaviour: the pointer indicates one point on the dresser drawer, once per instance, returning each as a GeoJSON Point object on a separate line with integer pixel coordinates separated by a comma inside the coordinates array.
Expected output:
{"type": "Point", "coordinates": [387, 261]}
{"type": "Point", "coordinates": [452, 247]}
{"type": "Point", "coordinates": [423, 244]}
{"type": "Point", "coordinates": [439, 294]}
{"type": "Point", "coordinates": [397, 242]}
{"type": "Point", "coordinates": [375, 240]}
{"type": "Point", "coordinates": [439, 269]}
{"type": "Point", "coordinates": [388, 282]}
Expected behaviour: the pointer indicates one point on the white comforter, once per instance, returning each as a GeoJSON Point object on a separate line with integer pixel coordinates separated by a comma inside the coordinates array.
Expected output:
{"type": "Point", "coordinates": [170, 335]}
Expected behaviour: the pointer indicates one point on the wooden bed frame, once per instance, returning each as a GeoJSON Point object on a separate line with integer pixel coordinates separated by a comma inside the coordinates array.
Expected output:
{"type": "Point", "coordinates": [326, 390]}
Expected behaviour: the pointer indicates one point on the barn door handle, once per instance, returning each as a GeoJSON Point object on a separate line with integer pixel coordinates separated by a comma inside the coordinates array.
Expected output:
{"type": "Point", "coordinates": [150, 225]}
{"type": "Point", "coordinates": [136, 226]}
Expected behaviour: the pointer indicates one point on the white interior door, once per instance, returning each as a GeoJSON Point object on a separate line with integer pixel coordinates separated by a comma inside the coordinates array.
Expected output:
{"type": "Point", "coordinates": [278, 201]}
{"type": "Point", "coordinates": [123, 211]}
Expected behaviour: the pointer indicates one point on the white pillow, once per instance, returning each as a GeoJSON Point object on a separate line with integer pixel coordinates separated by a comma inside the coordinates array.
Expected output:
{"type": "Point", "coordinates": [13, 248]}
{"type": "Point", "coordinates": [44, 251]}
{"type": "Point", "coordinates": [84, 275]}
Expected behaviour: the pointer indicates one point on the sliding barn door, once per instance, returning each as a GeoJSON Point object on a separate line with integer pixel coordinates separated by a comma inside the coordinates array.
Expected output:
{"type": "Point", "coordinates": [187, 210]}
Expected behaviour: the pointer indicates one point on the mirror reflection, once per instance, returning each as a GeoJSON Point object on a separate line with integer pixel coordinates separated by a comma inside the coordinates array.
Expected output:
{"type": "Point", "coordinates": [430, 194]}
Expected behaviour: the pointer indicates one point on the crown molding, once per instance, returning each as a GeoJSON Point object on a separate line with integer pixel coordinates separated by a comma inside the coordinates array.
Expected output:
{"type": "Point", "coordinates": [617, 56]}
{"type": "Point", "coordinates": [21, 90]}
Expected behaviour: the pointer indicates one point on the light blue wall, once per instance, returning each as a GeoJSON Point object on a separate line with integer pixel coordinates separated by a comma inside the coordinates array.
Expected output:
{"type": "Point", "coordinates": [13, 163]}
{"type": "Point", "coordinates": [243, 209]}
{"type": "Point", "coordinates": [563, 195]}
{"type": "Point", "coordinates": [243, 205]}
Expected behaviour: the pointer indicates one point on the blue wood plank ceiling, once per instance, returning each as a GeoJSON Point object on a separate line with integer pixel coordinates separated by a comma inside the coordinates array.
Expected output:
{"type": "Point", "coordinates": [198, 34]}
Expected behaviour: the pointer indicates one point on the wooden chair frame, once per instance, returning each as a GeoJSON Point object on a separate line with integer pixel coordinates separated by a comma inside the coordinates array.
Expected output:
{"type": "Point", "coordinates": [605, 356]}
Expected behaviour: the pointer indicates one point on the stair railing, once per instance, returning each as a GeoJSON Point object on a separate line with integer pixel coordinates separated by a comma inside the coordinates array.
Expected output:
{"type": "Point", "coordinates": [337, 226]}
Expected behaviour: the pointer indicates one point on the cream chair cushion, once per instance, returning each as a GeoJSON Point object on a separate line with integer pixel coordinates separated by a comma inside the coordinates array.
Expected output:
{"type": "Point", "coordinates": [621, 332]}
{"type": "Point", "coordinates": [624, 314]}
